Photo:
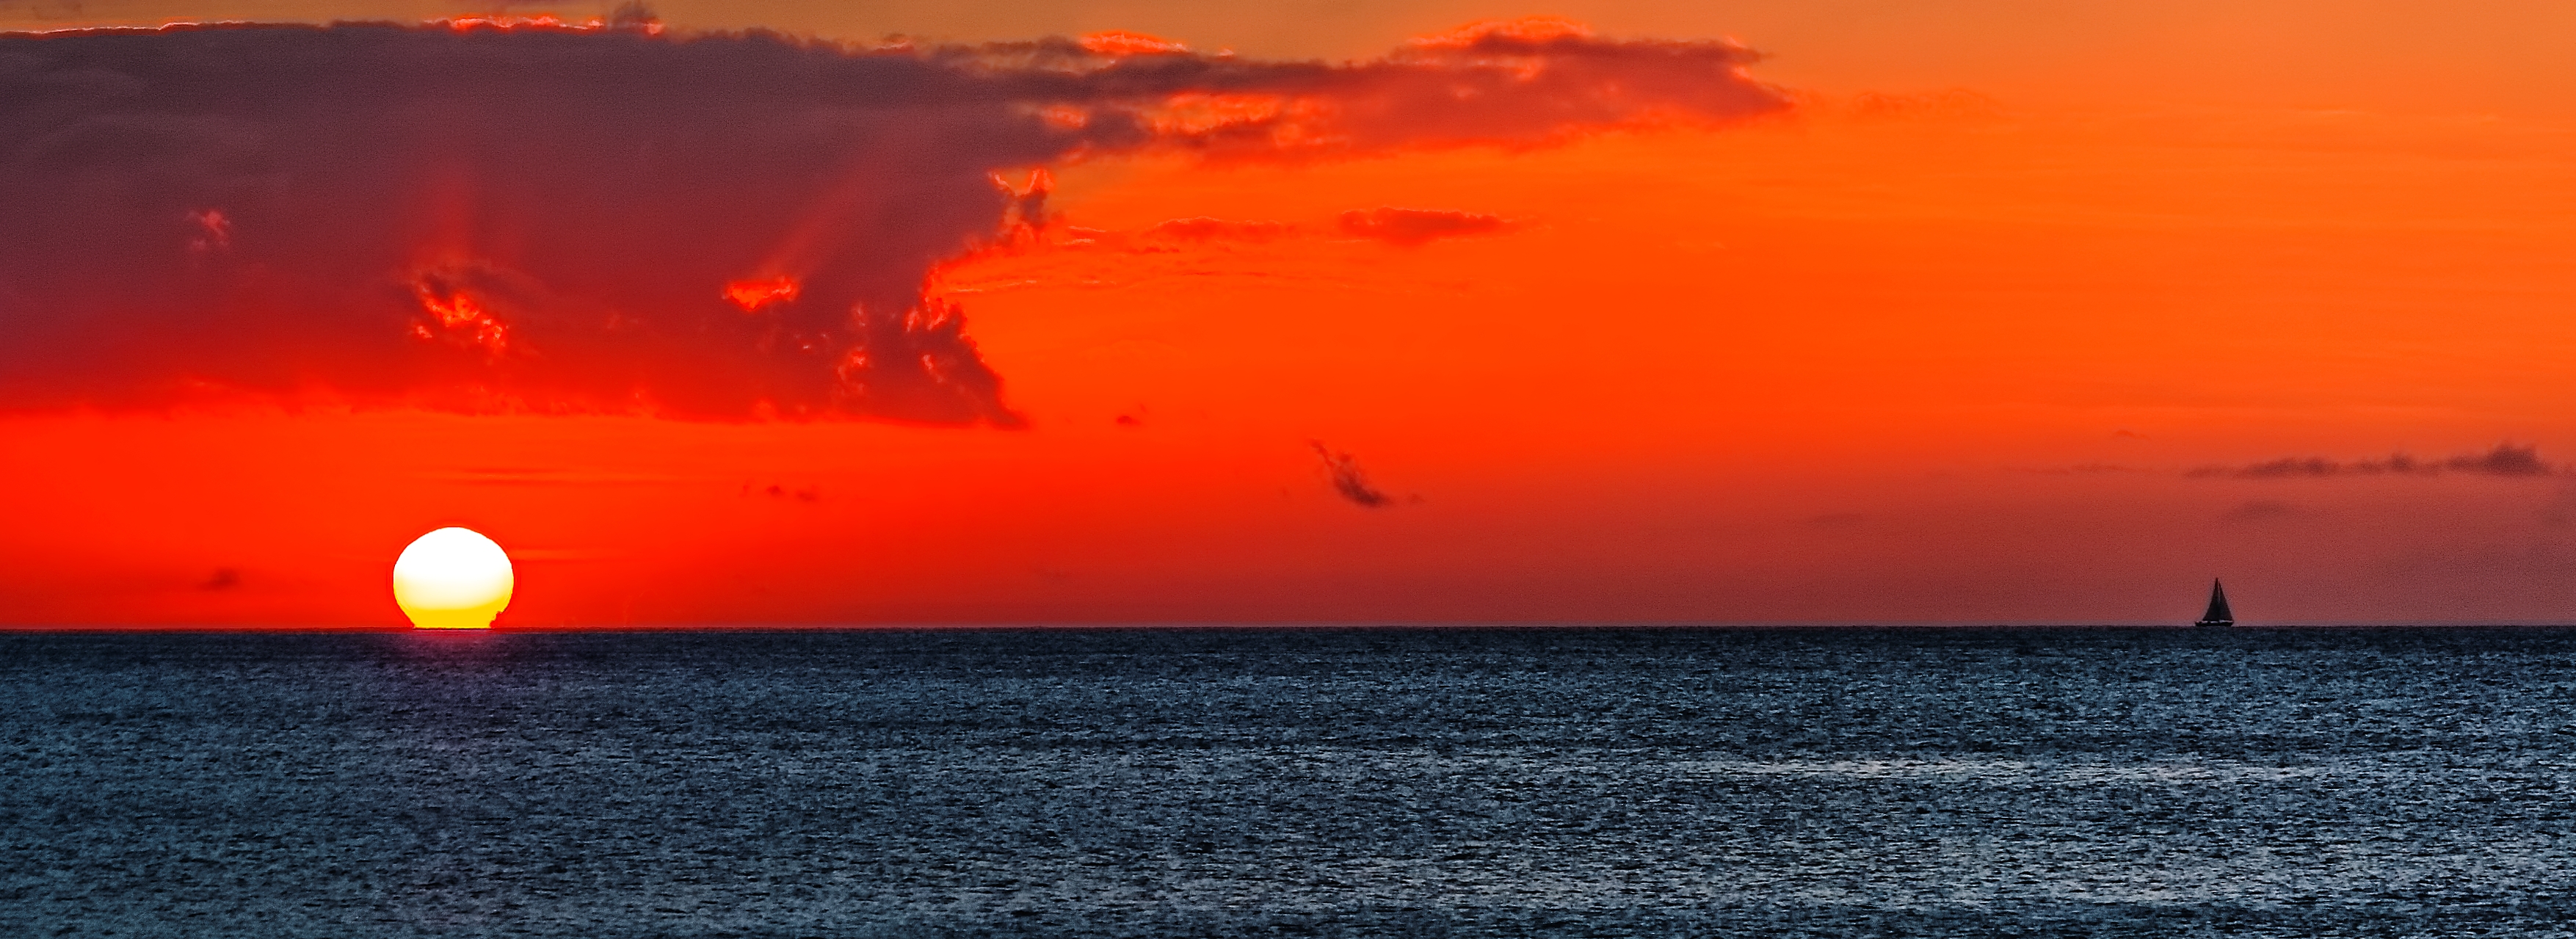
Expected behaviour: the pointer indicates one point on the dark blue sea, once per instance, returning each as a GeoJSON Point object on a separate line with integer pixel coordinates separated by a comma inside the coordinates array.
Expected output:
{"type": "Point", "coordinates": [1290, 782]}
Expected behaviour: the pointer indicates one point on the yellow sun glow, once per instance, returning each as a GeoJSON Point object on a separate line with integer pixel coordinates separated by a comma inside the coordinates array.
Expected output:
{"type": "Point", "coordinates": [452, 578]}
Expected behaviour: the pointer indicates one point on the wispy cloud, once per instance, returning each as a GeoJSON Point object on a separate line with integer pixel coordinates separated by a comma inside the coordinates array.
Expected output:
{"type": "Point", "coordinates": [1203, 229]}
{"type": "Point", "coordinates": [1348, 481]}
{"type": "Point", "coordinates": [1419, 226]}
{"type": "Point", "coordinates": [2505, 460]}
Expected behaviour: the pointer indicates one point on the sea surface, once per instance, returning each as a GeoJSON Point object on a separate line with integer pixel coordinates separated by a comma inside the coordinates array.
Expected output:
{"type": "Point", "coordinates": [1290, 782]}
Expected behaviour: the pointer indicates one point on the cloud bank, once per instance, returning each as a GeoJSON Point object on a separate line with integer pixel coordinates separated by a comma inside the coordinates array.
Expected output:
{"type": "Point", "coordinates": [474, 216]}
{"type": "Point", "coordinates": [2505, 460]}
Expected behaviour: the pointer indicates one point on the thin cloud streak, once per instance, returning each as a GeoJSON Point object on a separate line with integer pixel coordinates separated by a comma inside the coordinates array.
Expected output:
{"type": "Point", "coordinates": [1202, 229]}
{"type": "Point", "coordinates": [1409, 227]}
{"type": "Point", "coordinates": [2506, 460]}
{"type": "Point", "coordinates": [1350, 482]}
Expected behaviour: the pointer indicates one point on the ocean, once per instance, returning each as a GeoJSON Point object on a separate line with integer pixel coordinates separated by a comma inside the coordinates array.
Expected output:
{"type": "Point", "coordinates": [1290, 782]}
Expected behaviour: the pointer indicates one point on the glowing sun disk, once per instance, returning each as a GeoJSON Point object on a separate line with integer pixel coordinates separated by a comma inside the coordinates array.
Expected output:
{"type": "Point", "coordinates": [452, 578]}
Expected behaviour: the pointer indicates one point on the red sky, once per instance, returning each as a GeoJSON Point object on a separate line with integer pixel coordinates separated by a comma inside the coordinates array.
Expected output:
{"type": "Point", "coordinates": [2006, 317]}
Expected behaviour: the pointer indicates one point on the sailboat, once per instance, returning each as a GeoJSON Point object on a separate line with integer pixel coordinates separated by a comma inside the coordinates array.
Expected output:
{"type": "Point", "coordinates": [2219, 614]}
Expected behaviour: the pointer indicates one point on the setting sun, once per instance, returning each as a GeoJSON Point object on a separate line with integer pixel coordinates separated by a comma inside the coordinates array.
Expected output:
{"type": "Point", "coordinates": [452, 578]}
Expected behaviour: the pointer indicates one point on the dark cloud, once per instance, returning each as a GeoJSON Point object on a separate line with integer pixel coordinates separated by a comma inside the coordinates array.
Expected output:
{"type": "Point", "coordinates": [224, 578]}
{"type": "Point", "coordinates": [1418, 226]}
{"type": "Point", "coordinates": [2505, 460]}
{"type": "Point", "coordinates": [617, 219]}
{"type": "Point", "coordinates": [1521, 82]}
{"type": "Point", "coordinates": [1349, 482]}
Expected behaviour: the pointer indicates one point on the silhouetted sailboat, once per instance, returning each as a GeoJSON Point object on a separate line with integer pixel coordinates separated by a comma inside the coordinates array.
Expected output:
{"type": "Point", "coordinates": [2219, 614]}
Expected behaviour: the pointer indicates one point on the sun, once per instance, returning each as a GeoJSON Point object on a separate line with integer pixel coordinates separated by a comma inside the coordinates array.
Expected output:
{"type": "Point", "coordinates": [452, 578]}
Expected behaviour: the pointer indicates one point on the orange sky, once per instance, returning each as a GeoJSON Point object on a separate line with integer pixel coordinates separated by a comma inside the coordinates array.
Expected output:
{"type": "Point", "coordinates": [1986, 329]}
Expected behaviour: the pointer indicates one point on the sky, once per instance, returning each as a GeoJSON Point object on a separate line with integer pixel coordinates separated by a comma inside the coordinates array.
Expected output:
{"type": "Point", "coordinates": [738, 313]}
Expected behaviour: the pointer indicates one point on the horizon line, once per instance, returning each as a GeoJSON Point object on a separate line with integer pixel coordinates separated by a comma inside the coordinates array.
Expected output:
{"type": "Point", "coordinates": [1417, 625]}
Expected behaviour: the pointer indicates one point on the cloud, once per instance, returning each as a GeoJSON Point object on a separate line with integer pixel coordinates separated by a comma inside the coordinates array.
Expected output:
{"type": "Point", "coordinates": [483, 215]}
{"type": "Point", "coordinates": [2505, 460]}
{"type": "Point", "coordinates": [1523, 82]}
{"type": "Point", "coordinates": [1418, 226]}
{"type": "Point", "coordinates": [1203, 229]}
{"type": "Point", "coordinates": [1348, 481]}
{"type": "Point", "coordinates": [1406, 227]}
